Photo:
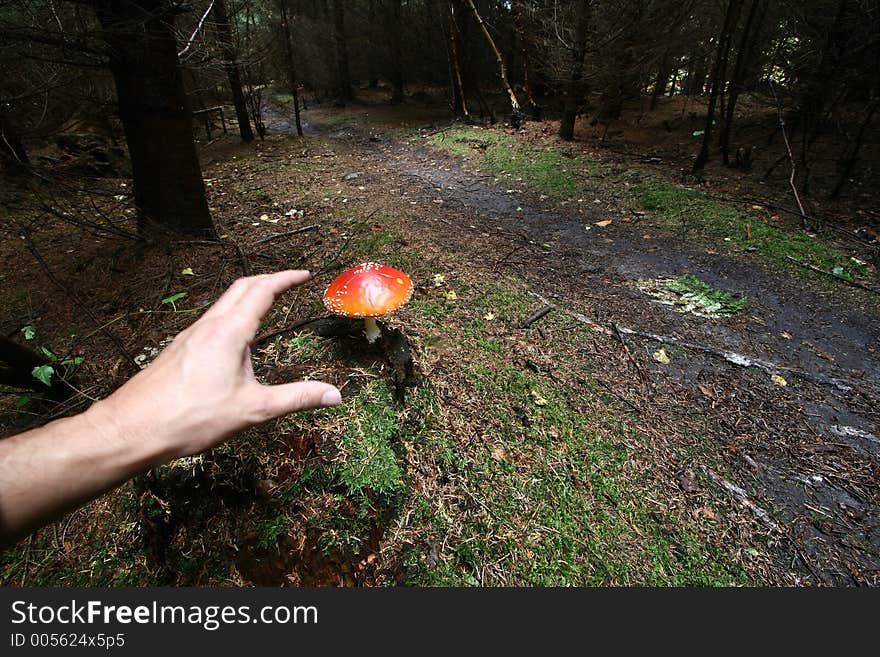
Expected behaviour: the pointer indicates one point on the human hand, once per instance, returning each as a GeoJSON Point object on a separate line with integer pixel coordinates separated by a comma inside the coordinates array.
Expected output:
{"type": "Point", "coordinates": [201, 389]}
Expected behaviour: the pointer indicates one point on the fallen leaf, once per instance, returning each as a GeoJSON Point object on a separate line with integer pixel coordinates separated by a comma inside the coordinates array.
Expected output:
{"type": "Point", "coordinates": [451, 295]}
{"type": "Point", "coordinates": [705, 512]}
{"type": "Point", "coordinates": [538, 399]}
{"type": "Point", "coordinates": [488, 317]}
{"type": "Point", "coordinates": [377, 228]}
{"type": "Point", "coordinates": [706, 390]}
{"type": "Point", "coordinates": [607, 222]}
{"type": "Point", "coordinates": [661, 356]}
{"type": "Point", "coordinates": [688, 482]}
{"type": "Point", "coordinates": [187, 272]}
{"type": "Point", "coordinates": [778, 380]}
{"type": "Point", "coordinates": [499, 454]}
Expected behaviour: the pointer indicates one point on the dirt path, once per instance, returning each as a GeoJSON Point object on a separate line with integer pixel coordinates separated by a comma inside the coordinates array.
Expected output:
{"type": "Point", "coordinates": [807, 454]}
{"type": "Point", "coordinates": [834, 342]}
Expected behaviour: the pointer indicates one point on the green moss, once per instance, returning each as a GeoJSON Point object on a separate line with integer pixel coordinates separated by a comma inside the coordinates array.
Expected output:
{"type": "Point", "coordinates": [557, 504]}
{"type": "Point", "coordinates": [547, 170]}
{"type": "Point", "coordinates": [270, 530]}
{"type": "Point", "coordinates": [368, 465]}
{"type": "Point", "coordinates": [705, 297]}
{"type": "Point", "coordinates": [688, 210]}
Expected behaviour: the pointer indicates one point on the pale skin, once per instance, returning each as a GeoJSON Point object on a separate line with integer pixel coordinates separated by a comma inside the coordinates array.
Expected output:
{"type": "Point", "coordinates": [200, 391]}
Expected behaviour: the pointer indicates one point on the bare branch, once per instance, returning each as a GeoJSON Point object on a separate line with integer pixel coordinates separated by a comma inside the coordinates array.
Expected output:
{"type": "Point", "coordinates": [198, 29]}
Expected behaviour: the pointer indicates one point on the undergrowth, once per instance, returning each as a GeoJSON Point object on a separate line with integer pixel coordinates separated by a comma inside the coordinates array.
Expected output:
{"type": "Point", "coordinates": [705, 297]}
{"type": "Point", "coordinates": [688, 211]}
{"type": "Point", "coordinates": [548, 170]}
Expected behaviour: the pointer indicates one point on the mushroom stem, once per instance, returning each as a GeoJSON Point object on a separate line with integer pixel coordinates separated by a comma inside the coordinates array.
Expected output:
{"type": "Point", "coordinates": [371, 329]}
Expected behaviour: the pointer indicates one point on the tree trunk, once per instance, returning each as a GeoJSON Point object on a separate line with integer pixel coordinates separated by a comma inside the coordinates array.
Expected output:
{"type": "Point", "coordinates": [459, 101]}
{"type": "Point", "coordinates": [853, 157]}
{"type": "Point", "coordinates": [660, 82]}
{"type": "Point", "coordinates": [574, 92]}
{"type": "Point", "coordinates": [730, 19]}
{"type": "Point", "coordinates": [231, 66]}
{"type": "Point", "coordinates": [291, 64]}
{"type": "Point", "coordinates": [394, 31]}
{"type": "Point", "coordinates": [516, 110]}
{"type": "Point", "coordinates": [695, 81]}
{"type": "Point", "coordinates": [344, 91]}
{"type": "Point", "coordinates": [373, 41]}
{"type": "Point", "coordinates": [168, 188]}
{"type": "Point", "coordinates": [519, 27]}
{"type": "Point", "coordinates": [743, 58]}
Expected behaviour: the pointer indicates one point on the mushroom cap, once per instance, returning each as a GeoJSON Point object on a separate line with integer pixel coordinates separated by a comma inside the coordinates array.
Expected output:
{"type": "Point", "coordinates": [368, 290]}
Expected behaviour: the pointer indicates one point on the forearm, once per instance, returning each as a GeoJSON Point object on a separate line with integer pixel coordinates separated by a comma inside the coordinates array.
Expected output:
{"type": "Point", "coordinates": [51, 470]}
{"type": "Point", "coordinates": [198, 392]}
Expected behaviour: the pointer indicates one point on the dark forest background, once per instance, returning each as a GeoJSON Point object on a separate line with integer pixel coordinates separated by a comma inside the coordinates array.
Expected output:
{"type": "Point", "coordinates": [132, 72]}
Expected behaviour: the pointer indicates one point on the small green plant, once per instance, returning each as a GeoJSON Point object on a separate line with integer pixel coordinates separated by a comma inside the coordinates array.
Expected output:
{"type": "Point", "coordinates": [269, 531]}
{"type": "Point", "coordinates": [705, 297]}
{"type": "Point", "coordinates": [44, 373]}
{"type": "Point", "coordinates": [306, 346]}
{"type": "Point", "coordinates": [173, 299]}
{"type": "Point", "coordinates": [368, 463]}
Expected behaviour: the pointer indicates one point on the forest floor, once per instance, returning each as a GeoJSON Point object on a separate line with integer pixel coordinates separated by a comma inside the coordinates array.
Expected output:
{"type": "Point", "coordinates": [694, 409]}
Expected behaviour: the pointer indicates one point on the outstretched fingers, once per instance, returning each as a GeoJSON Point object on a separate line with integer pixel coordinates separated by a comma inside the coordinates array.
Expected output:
{"type": "Point", "coordinates": [274, 401]}
{"type": "Point", "coordinates": [250, 298]}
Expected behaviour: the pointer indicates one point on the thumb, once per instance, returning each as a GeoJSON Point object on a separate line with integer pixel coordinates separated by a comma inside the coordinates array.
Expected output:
{"type": "Point", "coordinates": [278, 400]}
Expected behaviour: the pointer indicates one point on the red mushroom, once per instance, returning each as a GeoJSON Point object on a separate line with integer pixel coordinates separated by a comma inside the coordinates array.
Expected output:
{"type": "Point", "coordinates": [369, 290]}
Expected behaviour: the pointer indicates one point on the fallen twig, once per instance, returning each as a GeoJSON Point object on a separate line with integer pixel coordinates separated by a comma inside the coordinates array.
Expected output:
{"type": "Point", "coordinates": [526, 323]}
{"type": "Point", "coordinates": [743, 498]}
{"type": "Point", "coordinates": [242, 258]}
{"type": "Point", "coordinates": [632, 359]}
{"type": "Point", "coordinates": [833, 275]}
{"type": "Point", "coordinates": [578, 316]}
{"type": "Point", "coordinates": [83, 307]}
{"type": "Point", "coordinates": [730, 356]}
{"type": "Point", "coordinates": [740, 360]}
{"type": "Point", "coordinates": [328, 326]}
{"type": "Point", "coordinates": [276, 236]}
